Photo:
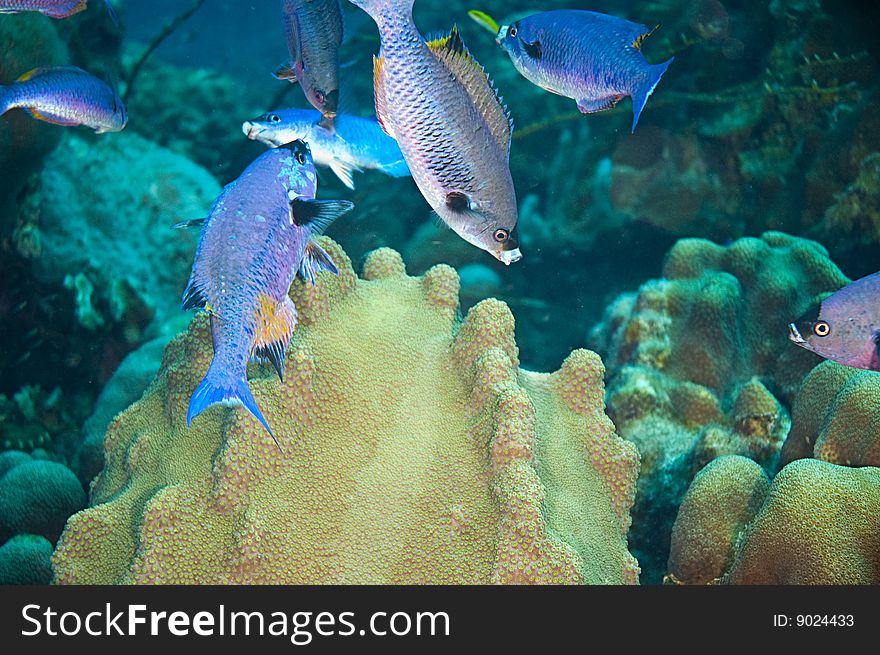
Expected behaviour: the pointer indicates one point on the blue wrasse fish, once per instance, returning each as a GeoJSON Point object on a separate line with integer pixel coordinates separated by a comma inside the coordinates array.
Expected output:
{"type": "Point", "coordinates": [50, 8]}
{"type": "Point", "coordinates": [314, 30]}
{"type": "Point", "coordinates": [590, 57]}
{"type": "Point", "coordinates": [256, 238]}
{"type": "Point", "coordinates": [351, 144]}
{"type": "Point", "coordinates": [845, 327]}
{"type": "Point", "coordinates": [65, 95]}
{"type": "Point", "coordinates": [451, 126]}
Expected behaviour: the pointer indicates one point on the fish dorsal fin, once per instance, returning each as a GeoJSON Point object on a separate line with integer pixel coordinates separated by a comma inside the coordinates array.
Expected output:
{"type": "Point", "coordinates": [41, 70]}
{"type": "Point", "coordinates": [194, 296]}
{"type": "Point", "coordinates": [451, 51]}
{"type": "Point", "coordinates": [317, 215]}
{"type": "Point", "coordinates": [381, 105]}
{"type": "Point", "coordinates": [274, 327]}
{"type": "Point", "coordinates": [640, 39]}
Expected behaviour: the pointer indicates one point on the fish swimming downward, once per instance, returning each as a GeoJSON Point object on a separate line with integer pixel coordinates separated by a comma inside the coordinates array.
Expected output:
{"type": "Point", "coordinates": [314, 30]}
{"type": "Point", "coordinates": [451, 126]}
{"type": "Point", "coordinates": [353, 143]}
{"type": "Point", "coordinates": [257, 237]}
{"type": "Point", "coordinates": [593, 58]}
{"type": "Point", "coordinates": [845, 327]}
{"type": "Point", "coordinates": [65, 95]}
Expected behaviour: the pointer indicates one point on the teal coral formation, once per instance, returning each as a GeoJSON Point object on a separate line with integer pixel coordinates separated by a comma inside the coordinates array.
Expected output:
{"type": "Point", "coordinates": [26, 560]}
{"type": "Point", "coordinates": [700, 365]}
{"type": "Point", "coordinates": [465, 468]}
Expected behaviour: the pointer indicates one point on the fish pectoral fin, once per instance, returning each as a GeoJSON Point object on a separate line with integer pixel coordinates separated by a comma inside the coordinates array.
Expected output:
{"type": "Point", "coordinates": [315, 260]}
{"type": "Point", "coordinates": [286, 72]}
{"type": "Point", "coordinates": [276, 321]}
{"type": "Point", "coordinates": [598, 104]}
{"type": "Point", "coordinates": [52, 118]}
{"type": "Point", "coordinates": [381, 105]}
{"type": "Point", "coordinates": [194, 297]}
{"type": "Point", "coordinates": [344, 172]}
{"type": "Point", "coordinates": [191, 223]}
{"type": "Point", "coordinates": [534, 49]}
{"type": "Point", "coordinates": [318, 215]}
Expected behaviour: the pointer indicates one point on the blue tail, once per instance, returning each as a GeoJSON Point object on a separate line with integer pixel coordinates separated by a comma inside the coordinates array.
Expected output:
{"type": "Point", "coordinates": [220, 387]}
{"type": "Point", "coordinates": [641, 94]}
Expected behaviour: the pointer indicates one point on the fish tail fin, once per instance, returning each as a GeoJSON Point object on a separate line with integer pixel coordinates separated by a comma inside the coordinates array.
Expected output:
{"type": "Point", "coordinates": [5, 99]}
{"type": "Point", "coordinates": [378, 8]}
{"type": "Point", "coordinates": [641, 94]}
{"type": "Point", "coordinates": [222, 387]}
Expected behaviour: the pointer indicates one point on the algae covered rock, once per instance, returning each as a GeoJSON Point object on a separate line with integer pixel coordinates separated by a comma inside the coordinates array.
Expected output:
{"type": "Point", "coordinates": [415, 450]}
{"type": "Point", "coordinates": [700, 365]}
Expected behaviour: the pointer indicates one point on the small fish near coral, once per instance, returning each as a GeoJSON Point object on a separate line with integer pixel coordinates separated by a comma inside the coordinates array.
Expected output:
{"type": "Point", "coordinates": [256, 238]}
{"type": "Point", "coordinates": [452, 127]}
{"type": "Point", "coordinates": [68, 96]}
{"type": "Point", "coordinates": [50, 8]}
{"type": "Point", "coordinates": [593, 58]}
{"type": "Point", "coordinates": [314, 31]}
{"type": "Point", "coordinates": [351, 144]}
{"type": "Point", "coordinates": [845, 327]}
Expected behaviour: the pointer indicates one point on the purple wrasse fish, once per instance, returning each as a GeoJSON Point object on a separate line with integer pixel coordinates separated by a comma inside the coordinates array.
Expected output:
{"type": "Point", "coordinates": [454, 132]}
{"type": "Point", "coordinates": [65, 95]}
{"type": "Point", "coordinates": [314, 30]}
{"type": "Point", "coordinates": [593, 58]}
{"type": "Point", "coordinates": [256, 238]}
{"type": "Point", "coordinates": [351, 144]}
{"type": "Point", "coordinates": [845, 327]}
{"type": "Point", "coordinates": [50, 8]}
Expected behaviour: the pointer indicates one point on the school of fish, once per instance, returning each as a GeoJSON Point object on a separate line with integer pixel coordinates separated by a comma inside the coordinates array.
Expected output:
{"type": "Point", "coordinates": [438, 118]}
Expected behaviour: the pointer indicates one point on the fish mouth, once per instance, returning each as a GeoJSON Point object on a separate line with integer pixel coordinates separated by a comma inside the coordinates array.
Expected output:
{"type": "Point", "coordinates": [502, 32]}
{"type": "Point", "coordinates": [794, 335]}
{"type": "Point", "coordinates": [508, 257]}
{"type": "Point", "coordinates": [256, 132]}
{"type": "Point", "coordinates": [251, 130]}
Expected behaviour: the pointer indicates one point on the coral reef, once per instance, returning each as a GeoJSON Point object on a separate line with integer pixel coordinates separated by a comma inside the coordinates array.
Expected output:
{"type": "Point", "coordinates": [115, 224]}
{"type": "Point", "coordinates": [29, 40]}
{"type": "Point", "coordinates": [700, 365]}
{"type": "Point", "coordinates": [723, 498]}
{"type": "Point", "coordinates": [414, 450]}
{"type": "Point", "coordinates": [836, 417]}
{"type": "Point", "coordinates": [26, 560]}
{"type": "Point", "coordinates": [817, 524]}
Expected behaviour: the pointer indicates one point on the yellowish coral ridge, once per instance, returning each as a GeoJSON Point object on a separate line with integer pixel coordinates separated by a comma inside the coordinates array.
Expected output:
{"type": "Point", "coordinates": [415, 450]}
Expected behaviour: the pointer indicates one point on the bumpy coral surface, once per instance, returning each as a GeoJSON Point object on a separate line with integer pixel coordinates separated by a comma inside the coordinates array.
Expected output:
{"type": "Point", "coordinates": [700, 365]}
{"type": "Point", "coordinates": [820, 524]}
{"type": "Point", "coordinates": [26, 559]}
{"type": "Point", "coordinates": [836, 417]}
{"type": "Point", "coordinates": [414, 450]}
{"type": "Point", "coordinates": [722, 500]}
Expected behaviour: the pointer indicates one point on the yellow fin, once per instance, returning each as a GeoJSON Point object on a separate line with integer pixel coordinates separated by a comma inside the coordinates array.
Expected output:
{"type": "Point", "coordinates": [274, 327]}
{"type": "Point", "coordinates": [452, 53]}
{"type": "Point", "coordinates": [30, 74]}
{"type": "Point", "coordinates": [381, 106]}
{"type": "Point", "coordinates": [52, 118]}
{"type": "Point", "coordinates": [637, 44]}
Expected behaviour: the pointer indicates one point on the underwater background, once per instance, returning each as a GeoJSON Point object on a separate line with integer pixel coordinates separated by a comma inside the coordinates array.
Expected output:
{"type": "Point", "coordinates": [678, 254]}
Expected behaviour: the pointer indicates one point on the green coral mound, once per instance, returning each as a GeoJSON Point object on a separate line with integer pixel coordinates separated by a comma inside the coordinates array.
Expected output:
{"type": "Point", "coordinates": [26, 560]}
{"type": "Point", "coordinates": [415, 450]}
{"type": "Point", "coordinates": [700, 365]}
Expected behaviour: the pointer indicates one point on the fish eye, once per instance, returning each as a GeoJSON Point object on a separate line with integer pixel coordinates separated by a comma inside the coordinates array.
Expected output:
{"type": "Point", "coordinates": [512, 31]}
{"type": "Point", "coordinates": [821, 329]}
{"type": "Point", "coordinates": [319, 96]}
{"type": "Point", "coordinates": [274, 118]}
{"type": "Point", "coordinates": [300, 157]}
{"type": "Point", "coordinates": [501, 235]}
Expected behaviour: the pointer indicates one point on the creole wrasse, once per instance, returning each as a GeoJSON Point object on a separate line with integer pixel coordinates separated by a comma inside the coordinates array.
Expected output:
{"type": "Point", "coordinates": [593, 58]}
{"type": "Point", "coordinates": [351, 144]}
{"type": "Point", "coordinates": [314, 30]}
{"type": "Point", "coordinates": [454, 132]}
{"type": "Point", "coordinates": [65, 95]}
{"type": "Point", "coordinates": [257, 237]}
{"type": "Point", "coordinates": [50, 8]}
{"type": "Point", "coordinates": [845, 327]}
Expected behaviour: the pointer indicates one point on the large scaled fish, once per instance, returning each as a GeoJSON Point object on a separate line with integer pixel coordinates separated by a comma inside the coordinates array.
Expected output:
{"type": "Point", "coordinates": [314, 32]}
{"type": "Point", "coordinates": [451, 126]}
{"type": "Point", "coordinates": [65, 95]}
{"type": "Point", "coordinates": [845, 327]}
{"type": "Point", "coordinates": [256, 238]}
{"type": "Point", "coordinates": [351, 144]}
{"type": "Point", "coordinates": [592, 58]}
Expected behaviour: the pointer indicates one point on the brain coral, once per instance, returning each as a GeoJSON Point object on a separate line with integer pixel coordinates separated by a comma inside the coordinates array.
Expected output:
{"type": "Point", "coordinates": [836, 417]}
{"type": "Point", "coordinates": [817, 524]}
{"type": "Point", "coordinates": [414, 450]}
{"type": "Point", "coordinates": [700, 365]}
